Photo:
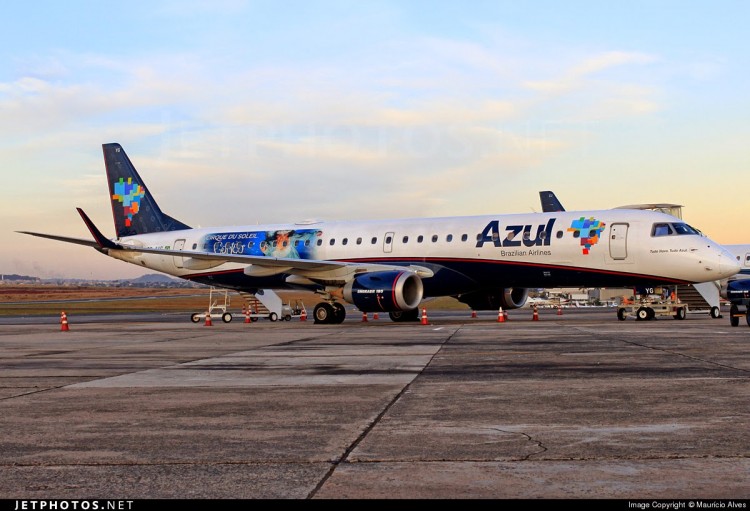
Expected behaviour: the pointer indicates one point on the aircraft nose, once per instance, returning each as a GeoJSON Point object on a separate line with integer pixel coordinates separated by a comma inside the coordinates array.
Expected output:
{"type": "Point", "coordinates": [727, 265]}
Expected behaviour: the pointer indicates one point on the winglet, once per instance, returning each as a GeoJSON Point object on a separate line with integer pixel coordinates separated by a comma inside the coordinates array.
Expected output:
{"type": "Point", "coordinates": [96, 233]}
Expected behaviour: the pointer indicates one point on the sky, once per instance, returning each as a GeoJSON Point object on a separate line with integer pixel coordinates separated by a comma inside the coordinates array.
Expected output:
{"type": "Point", "coordinates": [245, 112]}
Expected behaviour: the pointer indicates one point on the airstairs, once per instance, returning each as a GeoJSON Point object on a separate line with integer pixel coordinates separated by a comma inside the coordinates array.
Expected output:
{"type": "Point", "coordinates": [703, 297]}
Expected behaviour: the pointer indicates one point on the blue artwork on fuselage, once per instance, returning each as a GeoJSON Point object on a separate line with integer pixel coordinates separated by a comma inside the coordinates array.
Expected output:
{"type": "Point", "coordinates": [293, 244]}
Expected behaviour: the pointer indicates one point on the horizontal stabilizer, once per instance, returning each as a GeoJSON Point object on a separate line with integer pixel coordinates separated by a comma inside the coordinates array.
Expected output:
{"type": "Point", "coordinates": [77, 241]}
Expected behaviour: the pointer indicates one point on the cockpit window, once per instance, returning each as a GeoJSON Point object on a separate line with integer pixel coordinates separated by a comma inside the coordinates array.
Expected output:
{"type": "Point", "coordinates": [684, 229]}
{"type": "Point", "coordinates": [673, 229]}
{"type": "Point", "coordinates": [661, 230]}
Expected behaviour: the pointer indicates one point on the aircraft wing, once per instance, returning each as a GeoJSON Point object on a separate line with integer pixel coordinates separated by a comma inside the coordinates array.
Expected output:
{"type": "Point", "coordinates": [256, 265]}
{"type": "Point", "coordinates": [285, 265]}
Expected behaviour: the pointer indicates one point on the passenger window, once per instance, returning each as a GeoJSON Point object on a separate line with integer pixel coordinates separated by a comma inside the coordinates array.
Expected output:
{"type": "Point", "coordinates": [388, 240]}
{"type": "Point", "coordinates": [296, 243]}
{"type": "Point", "coordinates": [195, 245]}
{"type": "Point", "coordinates": [449, 238]}
{"type": "Point", "coordinates": [543, 235]}
{"type": "Point", "coordinates": [464, 237]}
{"type": "Point", "coordinates": [479, 236]}
{"type": "Point", "coordinates": [526, 235]}
{"type": "Point", "coordinates": [307, 243]}
{"type": "Point", "coordinates": [359, 241]}
{"type": "Point", "coordinates": [406, 239]}
{"type": "Point", "coordinates": [375, 240]}
{"type": "Point", "coordinates": [510, 235]}
{"type": "Point", "coordinates": [434, 238]}
{"type": "Point", "coordinates": [285, 243]}
{"type": "Point", "coordinates": [345, 241]}
{"type": "Point", "coordinates": [273, 244]}
{"type": "Point", "coordinates": [559, 234]}
{"type": "Point", "coordinates": [333, 241]}
{"type": "Point", "coordinates": [250, 244]}
{"type": "Point", "coordinates": [420, 238]}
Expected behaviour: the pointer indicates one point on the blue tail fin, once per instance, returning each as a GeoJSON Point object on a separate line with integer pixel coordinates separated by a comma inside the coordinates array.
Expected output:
{"type": "Point", "coordinates": [550, 204]}
{"type": "Point", "coordinates": [134, 209]}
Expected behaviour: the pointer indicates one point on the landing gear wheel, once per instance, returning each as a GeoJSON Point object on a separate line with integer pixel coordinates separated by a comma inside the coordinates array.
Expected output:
{"type": "Point", "coordinates": [273, 316]}
{"type": "Point", "coordinates": [339, 313]}
{"type": "Point", "coordinates": [642, 314]}
{"type": "Point", "coordinates": [401, 316]}
{"type": "Point", "coordinates": [679, 313]}
{"type": "Point", "coordinates": [226, 317]}
{"type": "Point", "coordinates": [323, 313]}
{"type": "Point", "coordinates": [715, 312]}
{"type": "Point", "coordinates": [195, 318]}
{"type": "Point", "coordinates": [734, 312]}
{"type": "Point", "coordinates": [621, 314]}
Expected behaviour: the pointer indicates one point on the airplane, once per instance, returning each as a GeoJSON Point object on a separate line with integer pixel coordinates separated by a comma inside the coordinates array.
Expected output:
{"type": "Point", "coordinates": [486, 262]}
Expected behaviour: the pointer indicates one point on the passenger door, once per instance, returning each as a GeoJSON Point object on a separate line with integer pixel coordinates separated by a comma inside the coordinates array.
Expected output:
{"type": "Point", "coordinates": [618, 241]}
{"type": "Point", "coordinates": [179, 261]}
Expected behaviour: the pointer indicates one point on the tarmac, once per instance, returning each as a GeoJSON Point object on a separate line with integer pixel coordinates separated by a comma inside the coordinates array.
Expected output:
{"type": "Point", "coordinates": [578, 406]}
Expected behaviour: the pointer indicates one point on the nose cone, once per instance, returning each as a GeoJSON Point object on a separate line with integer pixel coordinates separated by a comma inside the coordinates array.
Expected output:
{"type": "Point", "coordinates": [727, 264]}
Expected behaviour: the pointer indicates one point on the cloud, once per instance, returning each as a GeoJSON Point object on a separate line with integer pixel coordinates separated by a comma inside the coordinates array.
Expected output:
{"type": "Point", "coordinates": [576, 77]}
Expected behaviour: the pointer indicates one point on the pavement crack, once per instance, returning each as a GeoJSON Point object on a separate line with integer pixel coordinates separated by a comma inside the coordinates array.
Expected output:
{"type": "Point", "coordinates": [529, 438]}
{"type": "Point", "coordinates": [344, 457]}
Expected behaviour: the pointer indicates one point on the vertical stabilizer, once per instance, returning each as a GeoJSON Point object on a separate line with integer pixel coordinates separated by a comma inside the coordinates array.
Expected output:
{"type": "Point", "coordinates": [550, 204]}
{"type": "Point", "coordinates": [134, 209]}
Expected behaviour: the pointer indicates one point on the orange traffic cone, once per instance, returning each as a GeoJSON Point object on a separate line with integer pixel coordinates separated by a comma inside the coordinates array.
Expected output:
{"type": "Point", "coordinates": [535, 317]}
{"type": "Point", "coordinates": [473, 314]}
{"type": "Point", "coordinates": [303, 316]}
{"type": "Point", "coordinates": [375, 316]}
{"type": "Point", "coordinates": [246, 312]}
{"type": "Point", "coordinates": [559, 310]}
{"type": "Point", "coordinates": [364, 317]}
{"type": "Point", "coordinates": [500, 315]}
{"type": "Point", "coordinates": [424, 316]}
{"type": "Point", "coordinates": [208, 319]}
{"type": "Point", "coordinates": [64, 322]}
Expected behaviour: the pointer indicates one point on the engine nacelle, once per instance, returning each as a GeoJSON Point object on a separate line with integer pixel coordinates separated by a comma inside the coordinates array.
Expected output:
{"type": "Point", "coordinates": [384, 291]}
{"type": "Point", "coordinates": [737, 291]}
{"type": "Point", "coordinates": [507, 298]}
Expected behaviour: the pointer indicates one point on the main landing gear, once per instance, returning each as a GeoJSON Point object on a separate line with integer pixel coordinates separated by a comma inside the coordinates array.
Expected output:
{"type": "Point", "coordinates": [330, 313]}
{"type": "Point", "coordinates": [401, 316]}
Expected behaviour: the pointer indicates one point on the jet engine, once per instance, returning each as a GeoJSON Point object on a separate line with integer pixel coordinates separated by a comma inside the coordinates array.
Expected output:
{"type": "Point", "coordinates": [507, 298]}
{"type": "Point", "coordinates": [384, 291]}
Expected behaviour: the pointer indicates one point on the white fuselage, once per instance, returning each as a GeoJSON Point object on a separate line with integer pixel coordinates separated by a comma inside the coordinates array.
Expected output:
{"type": "Point", "coordinates": [586, 248]}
